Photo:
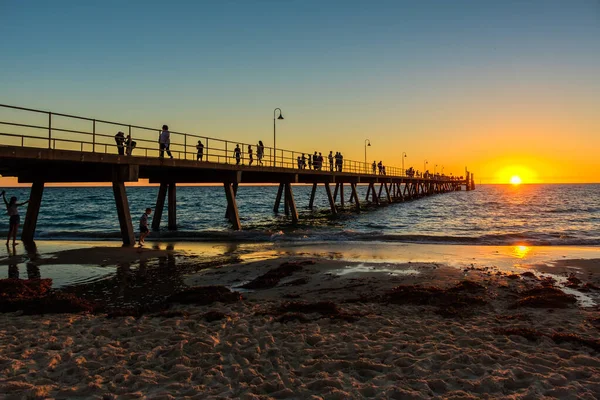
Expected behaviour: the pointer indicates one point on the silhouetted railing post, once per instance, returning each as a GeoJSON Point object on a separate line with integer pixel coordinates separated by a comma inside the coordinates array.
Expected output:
{"type": "Point", "coordinates": [93, 136]}
{"type": "Point", "coordinates": [49, 130]}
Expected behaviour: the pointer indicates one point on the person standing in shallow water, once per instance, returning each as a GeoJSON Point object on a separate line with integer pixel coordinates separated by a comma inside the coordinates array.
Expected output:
{"type": "Point", "coordinates": [164, 141]}
{"type": "Point", "coordinates": [144, 231]}
{"type": "Point", "coordinates": [15, 219]}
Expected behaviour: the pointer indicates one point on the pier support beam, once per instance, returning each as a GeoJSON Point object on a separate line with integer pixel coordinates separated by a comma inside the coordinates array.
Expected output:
{"type": "Point", "coordinates": [33, 210]}
{"type": "Point", "coordinates": [291, 203]}
{"type": "Point", "coordinates": [342, 194]}
{"type": "Point", "coordinates": [312, 196]}
{"type": "Point", "coordinates": [387, 192]}
{"type": "Point", "coordinates": [354, 196]}
{"type": "Point", "coordinates": [235, 189]}
{"type": "Point", "coordinates": [278, 198]}
{"type": "Point", "coordinates": [160, 205]}
{"type": "Point", "coordinates": [123, 213]}
{"type": "Point", "coordinates": [234, 216]}
{"type": "Point", "coordinates": [172, 224]}
{"type": "Point", "coordinates": [330, 198]}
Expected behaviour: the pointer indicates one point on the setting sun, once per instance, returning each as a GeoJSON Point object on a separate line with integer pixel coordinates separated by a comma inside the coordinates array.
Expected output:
{"type": "Point", "coordinates": [515, 180]}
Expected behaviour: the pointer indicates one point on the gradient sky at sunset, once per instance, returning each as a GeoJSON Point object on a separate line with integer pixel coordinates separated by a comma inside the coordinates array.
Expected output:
{"type": "Point", "coordinates": [503, 87]}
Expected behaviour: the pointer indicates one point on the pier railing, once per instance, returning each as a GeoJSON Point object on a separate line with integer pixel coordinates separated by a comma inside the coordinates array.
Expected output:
{"type": "Point", "coordinates": [27, 127]}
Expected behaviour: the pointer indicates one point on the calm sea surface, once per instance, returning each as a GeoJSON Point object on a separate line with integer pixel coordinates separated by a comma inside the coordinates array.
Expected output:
{"type": "Point", "coordinates": [555, 215]}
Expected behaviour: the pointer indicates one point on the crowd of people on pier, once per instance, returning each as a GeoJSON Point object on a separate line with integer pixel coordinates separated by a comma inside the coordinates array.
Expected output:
{"type": "Point", "coordinates": [316, 161]}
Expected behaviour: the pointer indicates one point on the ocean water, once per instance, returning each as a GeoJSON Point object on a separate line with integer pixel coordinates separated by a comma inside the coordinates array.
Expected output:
{"type": "Point", "coordinates": [552, 215]}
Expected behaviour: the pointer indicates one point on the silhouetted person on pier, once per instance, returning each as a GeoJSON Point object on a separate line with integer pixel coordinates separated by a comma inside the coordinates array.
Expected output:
{"type": "Point", "coordinates": [380, 167]}
{"type": "Point", "coordinates": [310, 161]}
{"type": "Point", "coordinates": [320, 161]}
{"type": "Point", "coordinates": [130, 145]}
{"type": "Point", "coordinates": [144, 231]}
{"type": "Point", "coordinates": [299, 162]}
{"type": "Point", "coordinates": [374, 167]}
{"type": "Point", "coordinates": [303, 161]}
{"type": "Point", "coordinates": [250, 156]}
{"type": "Point", "coordinates": [237, 153]}
{"type": "Point", "coordinates": [14, 218]}
{"type": "Point", "coordinates": [340, 161]}
{"type": "Point", "coordinates": [330, 157]}
{"type": "Point", "coordinates": [164, 141]}
{"type": "Point", "coordinates": [200, 148]}
{"type": "Point", "coordinates": [315, 159]}
{"type": "Point", "coordinates": [383, 169]}
{"type": "Point", "coordinates": [260, 152]}
{"type": "Point", "coordinates": [120, 140]}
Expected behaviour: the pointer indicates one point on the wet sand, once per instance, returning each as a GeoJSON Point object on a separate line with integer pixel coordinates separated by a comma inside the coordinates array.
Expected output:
{"type": "Point", "coordinates": [324, 326]}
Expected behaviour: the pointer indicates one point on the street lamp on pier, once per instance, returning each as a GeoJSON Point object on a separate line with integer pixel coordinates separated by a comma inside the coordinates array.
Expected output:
{"type": "Point", "coordinates": [425, 165]}
{"type": "Point", "coordinates": [442, 170]}
{"type": "Point", "coordinates": [367, 143]}
{"type": "Point", "coordinates": [274, 135]}
{"type": "Point", "coordinates": [403, 157]}
{"type": "Point", "coordinates": [434, 168]}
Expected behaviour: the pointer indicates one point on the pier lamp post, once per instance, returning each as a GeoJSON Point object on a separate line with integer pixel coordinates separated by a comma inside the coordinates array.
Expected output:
{"type": "Point", "coordinates": [274, 136]}
{"type": "Point", "coordinates": [403, 157]}
{"type": "Point", "coordinates": [434, 168]}
{"type": "Point", "coordinates": [442, 170]}
{"type": "Point", "coordinates": [425, 165]}
{"type": "Point", "coordinates": [367, 143]}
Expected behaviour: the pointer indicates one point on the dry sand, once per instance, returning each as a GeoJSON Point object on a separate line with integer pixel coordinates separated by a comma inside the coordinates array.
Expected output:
{"type": "Point", "coordinates": [253, 349]}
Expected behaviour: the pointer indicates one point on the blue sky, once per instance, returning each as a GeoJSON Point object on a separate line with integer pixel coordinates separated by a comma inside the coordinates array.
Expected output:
{"type": "Point", "coordinates": [410, 76]}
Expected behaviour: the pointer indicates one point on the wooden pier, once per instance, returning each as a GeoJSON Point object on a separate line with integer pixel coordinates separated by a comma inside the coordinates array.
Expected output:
{"type": "Point", "coordinates": [40, 154]}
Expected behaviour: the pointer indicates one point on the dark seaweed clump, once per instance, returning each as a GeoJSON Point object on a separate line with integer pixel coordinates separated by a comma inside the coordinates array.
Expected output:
{"type": "Point", "coordinates": [34, 296]}
{"type": "Point", "coordinates": [273, 276]}
{"type": "Point", "coordinates": [296, 310]}
{"type": "Point", "coordinates": [544, 297]}
{"type": "Point", "coordinates": [453, 302]}
{"type": "Point", "coordinates": [204, 295]}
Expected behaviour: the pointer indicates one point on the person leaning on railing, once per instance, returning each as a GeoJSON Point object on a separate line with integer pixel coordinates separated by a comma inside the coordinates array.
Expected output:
{"type": "Point", "coordinates": [164, 141]}
{"type": "Point", "coordinates": [120, 140]}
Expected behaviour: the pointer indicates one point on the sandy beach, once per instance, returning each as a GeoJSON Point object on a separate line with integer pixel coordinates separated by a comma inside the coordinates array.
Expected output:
{"type": "Point", "coordinates": [319, 327]}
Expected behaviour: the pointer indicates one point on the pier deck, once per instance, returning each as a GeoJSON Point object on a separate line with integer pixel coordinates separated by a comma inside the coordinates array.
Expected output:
{"type": "Point", "coordinates": [57, 152]}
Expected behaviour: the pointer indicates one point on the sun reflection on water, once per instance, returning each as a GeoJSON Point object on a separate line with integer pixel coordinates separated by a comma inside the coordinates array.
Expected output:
{"type": "Point", "coordinates": [521, 251]}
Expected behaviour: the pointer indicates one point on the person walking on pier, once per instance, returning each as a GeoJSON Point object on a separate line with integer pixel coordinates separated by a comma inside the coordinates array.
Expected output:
{"type": "Point", "coordinates": [164, 141]}
{"type": "Point", "coordinates": [14, 218]}
{"type": "Point", "coordinates": [130, 145]}
{"type": "Point", "coordinates": [374, 166]}
{"type": "Point", "coordinates": [320, 161]}
{"type": "Point", "coordinates": [310, 162]}
{"type": "Point", "coordinates": [330, 158]}
{"type": "Point", "coordinates": [380, 167]}
{"type": "Point", "coordinates": [303, 161]}
{"type": "Point", "coordinates": [144, 231]}
{"type": "Point", "coordinates": [237, 153]}
{"type": "Point", "coordinates": [120, 140]}
{"type": "Point", "coordinates": [260, 152]}
{"type": "Point", "coordinates": [315, 160]}
{"type": "Point", "coordinates": [250, 156]}
{"type": "Point", "coordinates": [200, 148]}
{"type": "Point", "coordinates": [299, 162]}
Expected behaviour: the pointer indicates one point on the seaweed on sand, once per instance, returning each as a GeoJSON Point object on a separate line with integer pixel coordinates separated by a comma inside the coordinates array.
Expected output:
{"type": "Point", "coordinates": [34, 296]}
{"type": "Point", "coordinates": [272, 277]}
{"type": "Point", "coordinates": [204, 295]}
{"type": "Point", "coordinates": [295, 310]}
{"type": "Point", "coordinates": [544, 297]}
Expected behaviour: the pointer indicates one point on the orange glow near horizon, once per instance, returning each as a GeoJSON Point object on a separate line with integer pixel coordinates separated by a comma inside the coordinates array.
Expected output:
{"type": "Point", "coordinates": [515, 180]}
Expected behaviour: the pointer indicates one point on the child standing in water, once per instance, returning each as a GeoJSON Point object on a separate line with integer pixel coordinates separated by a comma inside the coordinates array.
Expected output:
{"type": "Point", "coordinates": [144, 231]}
{"type": "Point", "coordinates": [15, 219]}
